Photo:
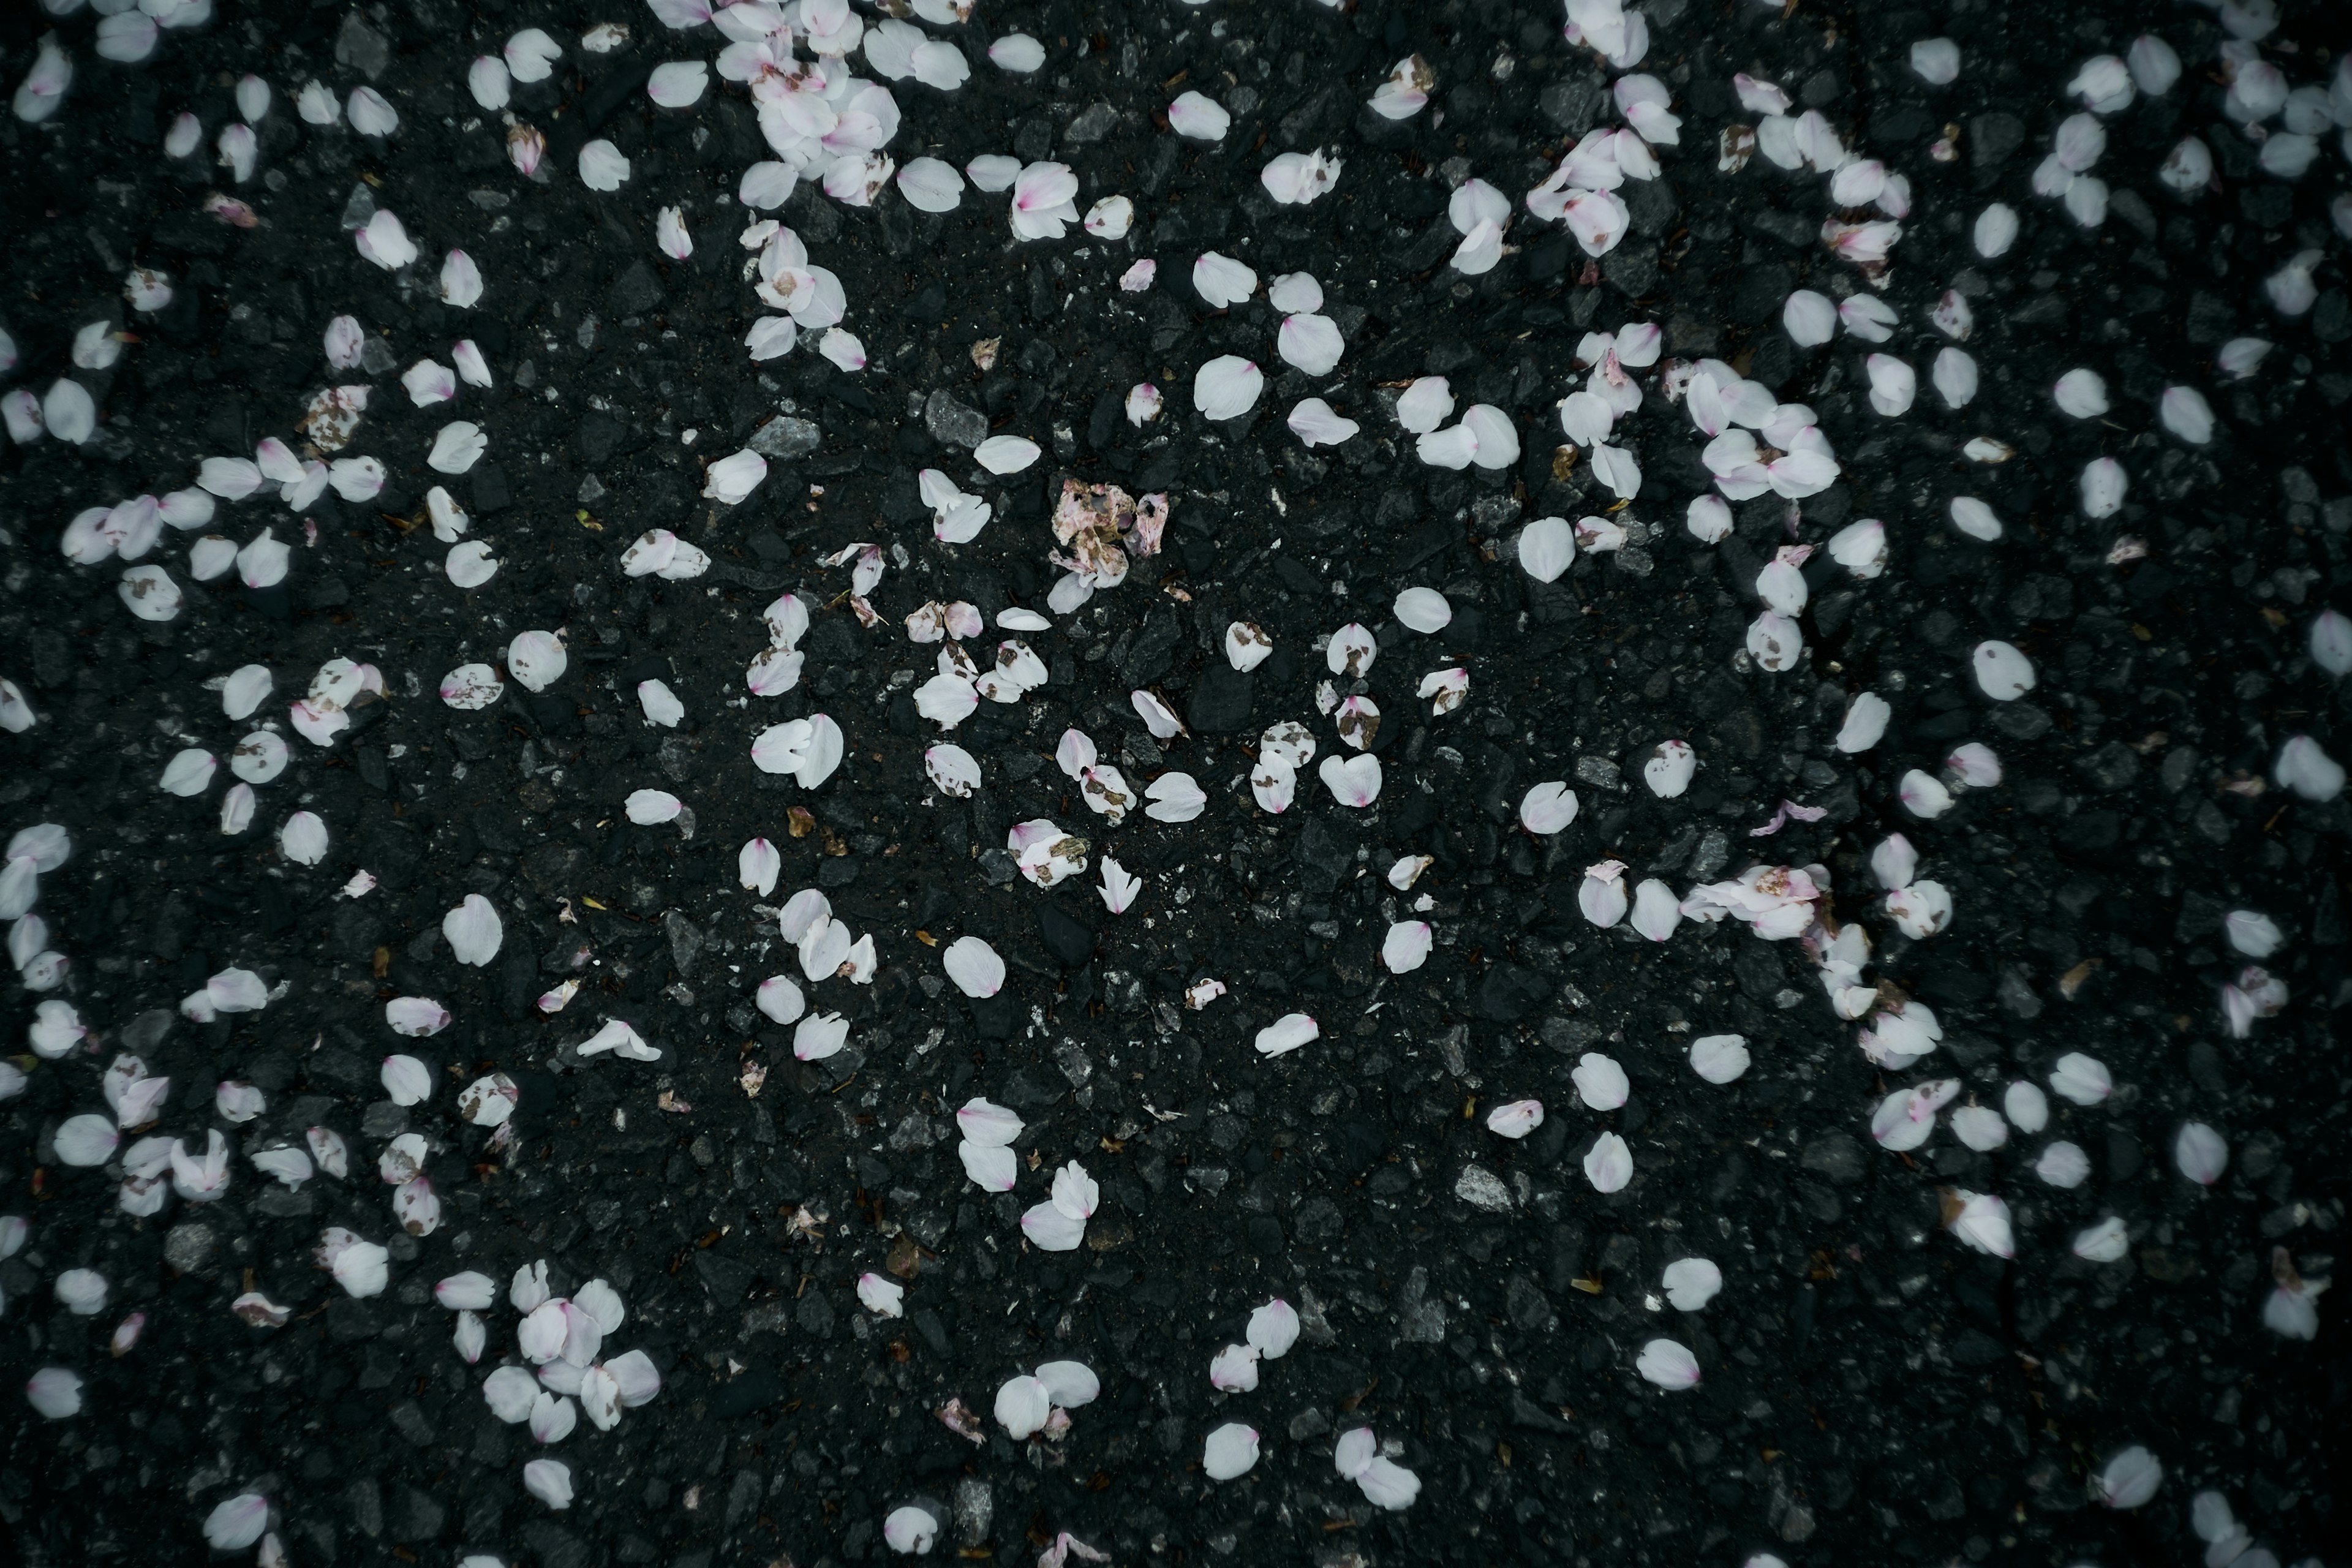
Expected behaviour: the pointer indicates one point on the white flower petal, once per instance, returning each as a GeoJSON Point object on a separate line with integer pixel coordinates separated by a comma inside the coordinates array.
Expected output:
{"type": "Point", "coordinates": [1227, 387]}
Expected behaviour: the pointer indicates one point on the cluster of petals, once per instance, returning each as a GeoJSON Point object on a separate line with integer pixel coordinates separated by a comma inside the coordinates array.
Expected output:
{"type": "Point", "coordinates": [988, 1132]}
{"type": "Point", "coordinates": [1039, 1402]}
{"type": "Point", "coordinates": [1273, 1330]}
{"type": "Point", "coordinates": [562, 1338]}
{"type": "Point", "coordinates": [1060, 1224]}
{"type": "Point", "coordinates": [1384, 1482]}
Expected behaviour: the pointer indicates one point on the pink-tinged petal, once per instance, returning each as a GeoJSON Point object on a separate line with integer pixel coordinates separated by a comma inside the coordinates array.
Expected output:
{"type": "Point", "coordinates": [1656, 910]}
{"type": "Point", "coordinates": [489, 1101]}
{"type": "Point", "coordinates": [1040, 190]}
{"type": "Point", "coordinates": [361, 1268]}
{"type": "Point", "coordinates": [1894, 384]}
{"type": "Point", "coordinates": [1119, 887]}
{"type": "Point", "coordinates": [1670, 768]}
{"type": "Point", "coordinates": [2306, 770]}
{"type": "Point", "coordinates": [2129, 1479]}
{"type": "Point", "coordinates": [344, 342]}
{"type": "Point", "coordinates": [952, 770]}
{"type": "Point", "coordinates": [87, 1139]}
{"type": "Point", "coordinates": [1286, 1034]}
{"type": "Point", "coordinates": [2003, 673]}
{"type": "Point", "coordinates": [1174, 797]}
{"type": "Point", "coordinates": [1354, 782]}
{"type": "Point", "coordinates": [1597, 219]}
{"type": "Point", "coordinates": [385, 241]}
{"type": "Point", "coordinates": [2063, 1165]}
{"type": "Point", "coordinates": [677, 84]}
{"type": "Point", "coordinates": [1691, 1283]}
{"type": "Point", "coordinates": [1227, 387]}
{"type": "Point", "coordinates": [1198, 117]}
{"type": "Point", "coordinates": [237, 1523]}
{"type": "Point", "coordinates": [975, 966]}
{"type": "Point", "coordinates": [1233, 1369]}
{"type": "Point", "coordinates": [1609, 1165]}
{"type": "Point", "coordinates": [415, 1017]}
{"type": "Point", "coordinates": [1809, 318]}
{"type": "Point", "coordinates": [328, 1149]}
{"type": "Point", "coordinates": [81, 1291]}
{"type": "Point", "coordinates": [884, 1297]}
{"type": "Point", "coordinates": [428, 382]}
{"type": "Point", "coordinates": [408, 1081]}
{"type": "Point", "coordinates": [819, 1036]}
{"type": "Point", "coordinates": [651, 807]}
{"type": "Point", "coordinates": [189, 773]}
{"type": "Point", "coordinates": [1311, 344]}
{"type": "Point", "coordinates": [635, 1378]}
{"type": "Point", "coordinates": [992, 1168]}
{"type": "Point", "coordinates": [988, 1125]}
{"type": "Point", "coordinates": [55, 1393]}
{"type": "Point", "coordinates": [1407, 946]}
{"type": "Point", "coordinates": [780, 999]}
{"type": "Point", "coordinates": [1424, 405]}
{"type": "Point", "coordinates": [1231, 1451]}
{"type": "Point", "coordinates": [911, 1531]}
{"type": "Point", "coordinates": [1023, 1406]}
{"type": "Point", "coordinates": [1975, 765]}
{"type": "Point", "coordinates": [461, 280]}
{"type": "Point", "coordinates": [549, 1480]}
{"type": "Point", "coordinates": [620, 1038]}
{"type": "Point", "coordinates": [602, 166]}
{"type": "Point", "coordinates": [471, 1291]}
{"type": "Point", "coordinates": [1076, 1193]}
{"type": "Point", "coordinates": [1273, 784]}
{"type": "Point", "coordinates": [1982, 1220]}
{"type": "Point", "coordinates": [1296, 179]}
{"type": "Point", "coordinates": [2201, 1154]}
{"type": "Point", "coordinates": [1600, 1082]}
{"type": "Point", "coordinates": [1669, 1364]}
{"type": "Point", "coordinates": [510, 1392]}
{"type": "Point", "coordinates": [1051, 1230]}
{"type": "Point", "coordinates": [472, 686]}
{"type": "Point", "coordinates": [149, 593]}
{"type": "Point", "coordinates": [1603, 896]}
{"type": "Point", "coordinates": [276, 462]}
{"type": "Point", "coordinates": [1354, 1452]}
{"type": "Point", "coordinates": [733, 478]}
{"type": "Point", "coordinates": [1385, 1483]}
{"type": "Point", "coordinates": [1547, 808]}
{"type": "Point", "coordinates": [1921, 910]}
{"type": "Point", "coordinates": [2185, 413]}
{"type": "Point", "coordinates": [473, 930]}
{"type": "Point", "coordinates": [758, 865]}
{"type": "Point", "coordinates": [1405, 90]}
{"type": "Point", "coordinates": [1274, 1329]}
{"type": "Point", "coordinates": [1516, 1119]}
{"type": "Point", "coordinates": [1069, 1383]}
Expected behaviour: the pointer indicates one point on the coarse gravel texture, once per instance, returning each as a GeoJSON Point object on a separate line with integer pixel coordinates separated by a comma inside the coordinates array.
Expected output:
{"type": "Point", "coordinates": [1872, 1389]}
